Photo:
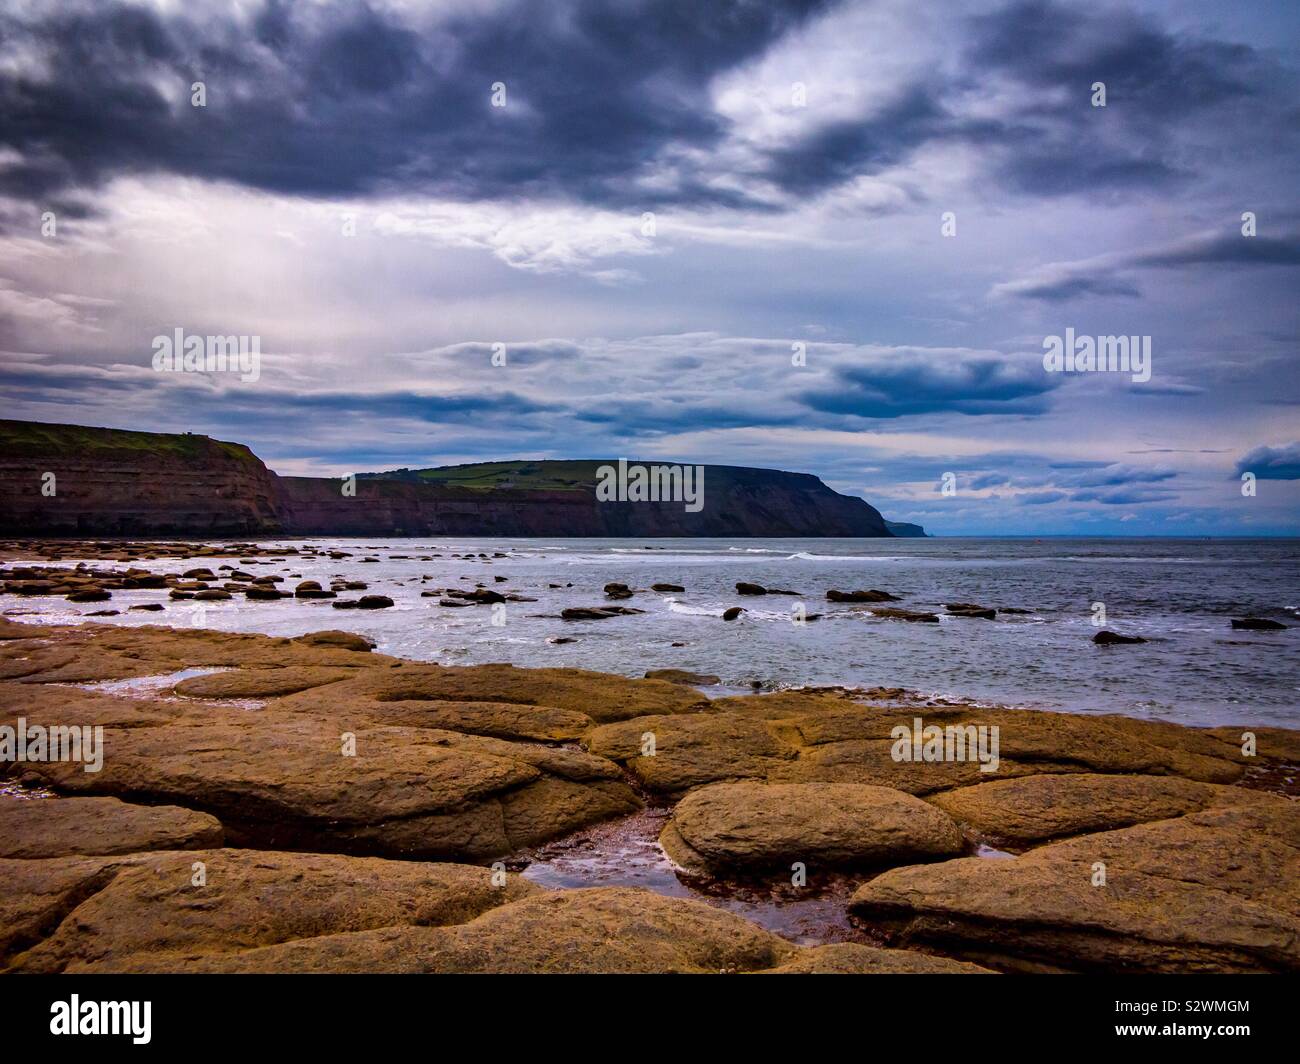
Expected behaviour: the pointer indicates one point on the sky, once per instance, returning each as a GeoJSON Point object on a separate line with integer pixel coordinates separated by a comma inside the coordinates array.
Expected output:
{"type": "Point", "coordinates": [816, 236]}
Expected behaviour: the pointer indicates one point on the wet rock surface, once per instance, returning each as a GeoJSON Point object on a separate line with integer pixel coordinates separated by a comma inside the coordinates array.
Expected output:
{"type": "Point", "coordinates": [894, 614]}
{"type": "Point", "coordinates": [1109, 638]}
{"type": "Point", "coordinates": [872, 595]}
{"type": "Point", "coordinates": [683, 676]}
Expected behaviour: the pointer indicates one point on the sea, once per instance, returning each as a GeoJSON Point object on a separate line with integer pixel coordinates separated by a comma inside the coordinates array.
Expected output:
{"type": "Point", "coordinates": [1180, 595]}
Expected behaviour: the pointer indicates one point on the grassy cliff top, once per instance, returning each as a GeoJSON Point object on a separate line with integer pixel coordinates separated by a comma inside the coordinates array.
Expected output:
{"type": "Point", "coordinates": [545, 475]}
{"type": "Point", "coordinates": [35, 437]}
{"type": "Point", "coordinates": [554, 474]}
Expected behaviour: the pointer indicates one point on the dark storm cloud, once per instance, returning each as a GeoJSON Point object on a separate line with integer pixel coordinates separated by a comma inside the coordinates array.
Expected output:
{"type": "Point", "coordinates": [1226, 248]}
{"type": "Point", "coordinates": [1111, 275]}
{"type": "Point", "coordinates": [1047, 45]}
{"type": "Point", "coordinates": [1155, 81]}
{"type": "Point", "coordinates": [1059, 289]}
{"type": "Point", "coordinates": [1113, 474]}
{"type": "Point", "coordinates": [836, 153]}
{"type": "Point", "coordinates": [1044, 142]}
{"type": "Point", "coordinates": [1123, 496]}
{"type": "Point", "coordinates": [342, 100]}
{"type": "Point", "coordinates": [925, 383]}
{"type": "Point", "coordinates": [1272, 463]}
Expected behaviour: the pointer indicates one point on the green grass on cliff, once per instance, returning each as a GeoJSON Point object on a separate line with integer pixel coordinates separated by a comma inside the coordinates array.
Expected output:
{"type": "Point", "coordinates": [549, 475]}
{"type": "Point", "coordinates": [35, 437]}
{"type": "Point", "coordinates": [557, 474]}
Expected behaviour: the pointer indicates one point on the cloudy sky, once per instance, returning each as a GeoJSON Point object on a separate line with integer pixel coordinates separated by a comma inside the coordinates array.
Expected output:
{"type": "Point", "coordinates": [706, 232]}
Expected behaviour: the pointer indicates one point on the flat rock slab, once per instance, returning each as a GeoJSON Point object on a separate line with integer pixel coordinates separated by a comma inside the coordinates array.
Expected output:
{"type": "Point", "coordinates": [607, 930]}
{"type": "Point", "coordinates": [260, 683]}
{"type": "Point", "coordinates": [59, 827]}
{"type": "Point", "coordinates": [755, 827]}
{"type": "Point", "coordinates": [502, 720]}
{"type": "Point", "coordinates": [599, 696]}
{"type": "Point", "coordinates": [826, 737]}
{"type": "Point", "coordinates": [282, 783]}
{"type": "Point", "coordinates": [852, 958]}
{"type": "Point", "coordinates": [1213, 891]}
{"type": "Point", "coordinates": [692, 749]}
{"type": "Point", "coordinates": [81, 653]}
{"type": "Point", "coordinates": [1023, 812]}
{"type": "Point", "coordinates": [146, 913]}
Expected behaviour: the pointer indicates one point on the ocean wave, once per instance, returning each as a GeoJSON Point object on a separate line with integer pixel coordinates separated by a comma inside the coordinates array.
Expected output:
{"type": "Point", "coordinates": [693, 611]}
{"type": "Point", "coordinates": [803, 555]}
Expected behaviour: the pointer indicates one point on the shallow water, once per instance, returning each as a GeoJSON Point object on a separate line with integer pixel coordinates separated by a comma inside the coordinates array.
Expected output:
{"type": "Point", "coordinates": [1179, 594]}
{"type": "Point", "coordinates": [626, 853]}
{"type": "Point", "coordinates": [143, 686]}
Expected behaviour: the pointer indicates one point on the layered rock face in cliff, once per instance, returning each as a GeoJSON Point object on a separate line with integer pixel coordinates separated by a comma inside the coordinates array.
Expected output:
{"type": "Point", "coordinates": [559, 498]}
{"type": "Point", "coordinates": [110, 482]}
{"type": "Point", "coordinates": [66, 480]}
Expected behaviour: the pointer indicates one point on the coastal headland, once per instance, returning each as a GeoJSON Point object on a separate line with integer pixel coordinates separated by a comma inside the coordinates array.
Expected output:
{"type": "Point", "coordinates": [70, 480]}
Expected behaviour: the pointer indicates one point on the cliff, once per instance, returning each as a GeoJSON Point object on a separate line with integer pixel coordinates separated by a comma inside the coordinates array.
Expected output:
{"type": "Point", "coordinates": [66, 480]}
{"type": "Point", "coordinates": [110, 482]}
{"type": "Point", "coordinates": [905, 529]}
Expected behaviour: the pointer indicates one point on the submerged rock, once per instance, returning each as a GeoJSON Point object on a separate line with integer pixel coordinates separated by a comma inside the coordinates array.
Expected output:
{"type": "Point", "coordinates": [732, 612]}
{"type": "Point", "coordinates": [1258, 624]}
{"type": "Point", "coordinates": [1108, 638]}
{"type": "Point", "coordinates": [596, 613]}
{"type": "Point", "coordinates": [479, 596]}
{"type": "Point", "coordinates": [332, 637]}
{"type": "Point", "coordinates": [682, 676]}
{"type": "Point", "coordinates": [90, 595]}
{"type": "Point", "coordinates": [365, 602]}
{"type": "Point", "coordinates": [969, 609]}
{"type": "Point", "coordinates": [308, 589]}
{"type": "Point", "coordinates": [860, 596]}
{"type": "Point", "coordinates": [893, 614]}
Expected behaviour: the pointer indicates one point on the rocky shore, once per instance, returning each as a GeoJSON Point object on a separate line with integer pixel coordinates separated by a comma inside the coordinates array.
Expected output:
{"type": "Point", "coordinates": [307, 804]}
